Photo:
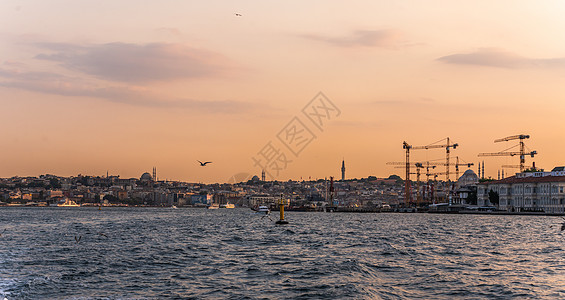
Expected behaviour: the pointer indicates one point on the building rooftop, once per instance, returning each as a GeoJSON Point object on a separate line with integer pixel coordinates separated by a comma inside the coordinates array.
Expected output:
{"type": "Point", "coordinates": [529, 179]}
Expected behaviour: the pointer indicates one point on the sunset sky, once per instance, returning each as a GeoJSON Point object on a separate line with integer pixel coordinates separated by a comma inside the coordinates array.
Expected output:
{"type": "Point", "coordinates": [88, 87]}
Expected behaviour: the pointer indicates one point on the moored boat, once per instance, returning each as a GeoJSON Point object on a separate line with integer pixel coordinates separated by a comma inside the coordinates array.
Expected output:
{"type": "Point", "coordinates": [68, 203]}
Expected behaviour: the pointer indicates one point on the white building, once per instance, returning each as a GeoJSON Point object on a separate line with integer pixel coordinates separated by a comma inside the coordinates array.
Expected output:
{"type": "Point", "coordinates": [527, 191]}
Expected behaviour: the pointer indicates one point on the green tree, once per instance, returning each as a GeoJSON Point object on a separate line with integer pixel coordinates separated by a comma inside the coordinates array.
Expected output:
{"type": "Point", "coordinates": [493, 197]}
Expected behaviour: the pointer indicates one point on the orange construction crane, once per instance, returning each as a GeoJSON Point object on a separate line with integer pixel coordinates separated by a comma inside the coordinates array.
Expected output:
{"type": "Point", "coordinates": [447, 147]}
{"type": "Point", "coordinates": [522, 153]}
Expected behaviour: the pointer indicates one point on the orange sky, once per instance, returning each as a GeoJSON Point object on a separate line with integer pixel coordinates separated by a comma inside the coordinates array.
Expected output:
{"type": "Point", "coordinates": [119, 86]}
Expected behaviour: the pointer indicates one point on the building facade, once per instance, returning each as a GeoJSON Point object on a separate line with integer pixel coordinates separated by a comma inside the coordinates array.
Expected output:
{"type": "Point", "coordinates": [526, 192]}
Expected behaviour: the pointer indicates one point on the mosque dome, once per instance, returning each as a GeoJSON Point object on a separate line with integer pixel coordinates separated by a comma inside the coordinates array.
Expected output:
{"type": "Point", "coordinates": [468, 178]}
{"type": "Point", "coordinates": [146, 177]}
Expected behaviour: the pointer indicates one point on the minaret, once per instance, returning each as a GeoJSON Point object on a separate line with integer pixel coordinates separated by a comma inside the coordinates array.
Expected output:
{"type": "Point", "coordinates": [263, 175]}
{"type": "Point", "coordinates": [343, 170]}
{"type": "Point", "coordinates": [154, 174]}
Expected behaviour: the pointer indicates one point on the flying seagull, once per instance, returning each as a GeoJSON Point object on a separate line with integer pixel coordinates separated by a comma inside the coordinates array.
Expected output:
{"type": "Point", "coordinates": [78, 239]}
{"type": "Point", "coordinates": [237, 15]}
{"type": "Point", "coordinates": [267, 215]}
{"type": "Point", "coordinates": [203, 164]}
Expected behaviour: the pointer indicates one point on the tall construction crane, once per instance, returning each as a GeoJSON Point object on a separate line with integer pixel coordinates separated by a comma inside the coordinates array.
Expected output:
{"type": "Point", "coordinates": [407, 147]}
{"type": "Point", "coordinates": [522, 153]}
{"type": "Point", "coordinates": [447, 147]}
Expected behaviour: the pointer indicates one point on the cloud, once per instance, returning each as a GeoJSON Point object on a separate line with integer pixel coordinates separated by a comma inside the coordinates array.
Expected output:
{"type": "Point", "coordinates": [52, 83]}
{"type": "Point", "coordinates": [362, 38]}
{"type": "Point", "coordinates": [134, 63]}
{"type": "Point", "coordinates": [499, 58]}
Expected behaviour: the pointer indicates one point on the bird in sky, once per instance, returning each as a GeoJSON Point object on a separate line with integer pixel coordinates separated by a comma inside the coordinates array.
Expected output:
{"type": "Point", "coordinates": [78, 239]}
{"type": "Point", "coordinates": [237, 15]}
{"type": "Point", "coordinates": [203, 164]}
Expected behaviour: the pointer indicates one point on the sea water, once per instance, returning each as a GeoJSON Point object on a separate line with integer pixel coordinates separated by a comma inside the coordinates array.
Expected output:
{"type": "Point", "coordinates": [189, 253]}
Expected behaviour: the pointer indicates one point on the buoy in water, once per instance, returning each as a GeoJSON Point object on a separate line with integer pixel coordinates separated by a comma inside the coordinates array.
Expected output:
{"type": "Point", "coordinates": [282, 221]}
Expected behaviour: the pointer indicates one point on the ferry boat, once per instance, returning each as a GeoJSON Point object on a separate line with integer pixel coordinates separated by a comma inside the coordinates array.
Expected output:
{"type": "Point", "coordinates": [68, 203]}
{"type": "Point", "coordinates": [228, 205]}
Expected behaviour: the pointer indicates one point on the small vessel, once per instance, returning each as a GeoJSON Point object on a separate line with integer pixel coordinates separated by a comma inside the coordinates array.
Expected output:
{"type": "Point", "coordinates": [68, 203]}
{"type": "Point", "coordinates": [262, 209]}
{"type": "Point", "coordinates": [228, 205]}
{"type": "Point", "coordinates": [214, 206]}
{"type": "Point", "coordinates": [174, 207]}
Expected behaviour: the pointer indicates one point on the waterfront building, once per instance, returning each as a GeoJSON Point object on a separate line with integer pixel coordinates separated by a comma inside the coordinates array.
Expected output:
{"type": "Point", "coordinates": [526, 192]}
{"type": "Point", "coordinates": [261, 199]}
{"type": "Point", "coordinates": [201, 200]}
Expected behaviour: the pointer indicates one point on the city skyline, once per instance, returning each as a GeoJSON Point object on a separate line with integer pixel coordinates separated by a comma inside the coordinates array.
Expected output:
{"type": "Point", "coordinates": [123, 87]}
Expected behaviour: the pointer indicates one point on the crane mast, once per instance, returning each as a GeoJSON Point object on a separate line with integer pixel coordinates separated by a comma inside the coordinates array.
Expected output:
{"type": "Point", "coordinates": [407, 146]}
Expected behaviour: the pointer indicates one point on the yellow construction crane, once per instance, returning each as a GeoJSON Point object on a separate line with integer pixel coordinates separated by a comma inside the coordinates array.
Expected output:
{"type": "Point", "coordinates": [522, 152]}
